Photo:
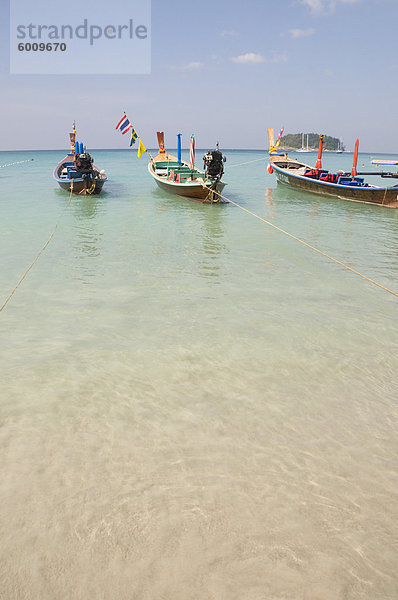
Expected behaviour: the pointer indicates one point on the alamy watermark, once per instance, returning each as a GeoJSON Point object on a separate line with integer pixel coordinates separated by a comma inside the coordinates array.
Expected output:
{"type": "Point", "coordinates": [100, 45]}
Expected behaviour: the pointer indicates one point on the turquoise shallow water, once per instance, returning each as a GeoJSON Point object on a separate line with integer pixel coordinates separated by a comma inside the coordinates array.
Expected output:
{"type": "Point", "coordinates": [193, 404]}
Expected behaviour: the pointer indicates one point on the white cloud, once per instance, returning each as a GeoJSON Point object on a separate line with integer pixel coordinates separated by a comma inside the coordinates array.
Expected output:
{"type": "Point", "coordinates": [228, 33]}
{"type": "Point", "coordinates": [195, 64]}
{"type": "Point", "coordinates": [325, 6]}
{"type": "Point", "coordinates": [253, 58]}
{"type": "Point", "coordinates": [249, 57]}
{"type": "Point", "coordinates": [298, 33]}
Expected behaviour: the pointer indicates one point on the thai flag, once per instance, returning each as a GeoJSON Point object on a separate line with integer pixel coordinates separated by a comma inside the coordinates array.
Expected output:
{"type": "Point", "coordinates": [124, 124]}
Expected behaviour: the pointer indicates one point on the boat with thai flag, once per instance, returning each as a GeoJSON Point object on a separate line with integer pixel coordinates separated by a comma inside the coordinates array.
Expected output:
{"type": "Point", "coordinates": [181, 178]}
{"type": "Point", "coordinates": [77, 172]}
{"type": "Point", "coordinates": [349, 185]}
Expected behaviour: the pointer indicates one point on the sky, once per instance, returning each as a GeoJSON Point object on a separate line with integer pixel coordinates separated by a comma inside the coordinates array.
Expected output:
{"type": "Point", "coordinates": [225, 71]}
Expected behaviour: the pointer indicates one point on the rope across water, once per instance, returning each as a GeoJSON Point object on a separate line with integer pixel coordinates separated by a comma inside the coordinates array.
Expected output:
{"type": "Point", "coordinates": [339, 262]}
{"type": "Point", "coordinates": [10, 295]}
{"type": "Point", "coordinates": [19, 162]}
{"type": "Point", "coordinates": [246, 163]}
{"type": "Point", "coordinates": [335, 260]}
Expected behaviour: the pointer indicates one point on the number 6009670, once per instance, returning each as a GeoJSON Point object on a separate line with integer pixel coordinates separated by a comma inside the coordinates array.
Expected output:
{"type": "Point", "coordinates": [42, 47]}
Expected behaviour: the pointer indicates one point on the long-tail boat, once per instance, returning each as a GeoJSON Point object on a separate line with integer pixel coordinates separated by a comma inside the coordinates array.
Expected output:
{"type": "Point", "coordinates": [173, 174]}
{"type": "Point", "coordinates": [345, 185]}
{"type": "Point", "coordinates": [77, 172]}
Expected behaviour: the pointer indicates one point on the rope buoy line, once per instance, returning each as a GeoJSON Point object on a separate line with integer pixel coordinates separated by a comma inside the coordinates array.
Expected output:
{"type": "Point", "coordinates": [306, 244]}
{"type": "Point", "coordinates": [19, 162]}
{"type": "Point", "coordinates": [10, 295]}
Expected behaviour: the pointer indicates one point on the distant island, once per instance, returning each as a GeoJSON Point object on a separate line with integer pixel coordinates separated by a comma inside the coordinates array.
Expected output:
{"type": "Point", "coordinates": [293, 141]}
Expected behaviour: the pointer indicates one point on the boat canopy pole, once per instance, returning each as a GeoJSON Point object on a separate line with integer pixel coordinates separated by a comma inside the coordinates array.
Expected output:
{"type": "Point", "coordinates": [319, 162]}
{"type": "Point", "coordinates": [192, 153]}
{"type": "Point", "coordinates": [355, 161]}
{"type": "Point", "coordinates": [179, 147]}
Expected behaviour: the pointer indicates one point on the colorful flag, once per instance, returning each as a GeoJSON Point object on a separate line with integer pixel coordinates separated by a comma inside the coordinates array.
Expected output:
{"type": "Point", "coordinates": [124, 118]}
{"type": "Point", "coordinates": [141, 149]}
{"type": "Point", "coordinates": [124, 124]}
{"type": "Point", "coordinates": [279, 137]}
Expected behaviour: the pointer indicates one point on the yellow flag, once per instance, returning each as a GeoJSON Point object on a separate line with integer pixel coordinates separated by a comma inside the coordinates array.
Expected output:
{"type": "Point", "coordinates": [141, 149]}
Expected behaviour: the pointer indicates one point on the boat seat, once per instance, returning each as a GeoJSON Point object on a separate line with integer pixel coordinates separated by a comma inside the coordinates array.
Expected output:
{"type": "Point", "coordinates": [312, 173]}
{"type": "Point", "coordinates": [294, 166]}
{"type": "Point", "coordinates": [358, 182]}
{"type": "Point", "coordinates": [187, 177]}
{"type": "Point", "coordinates": [329, 177]}
{"type": "Point", "coordinates": [166, 164]}
{"type": "Point", "coordinates": [74, 174]}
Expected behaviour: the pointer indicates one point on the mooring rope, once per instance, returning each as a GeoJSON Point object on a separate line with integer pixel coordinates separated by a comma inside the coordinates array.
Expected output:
{"type": "Point", "coordinates": [10, 295]}
{"type": "Point", "coordinates": [339, 262]}
{"type": "Point", "coordinates": [246, 163]}
{"type": "Point", "coordinates": [19, 162]}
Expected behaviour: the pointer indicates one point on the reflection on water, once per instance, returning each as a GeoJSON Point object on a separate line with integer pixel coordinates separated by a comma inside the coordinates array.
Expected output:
{"type": "Point", "coordinates": [204, 226]}
{"type": "Point", "coordinates": [268, 196]}
{"type": "Point", "coordinates": [87, 206]}
{"type": "Point", "coordinates": [87, 237]}
{"type": "Point", "coordinates": [212, 240]}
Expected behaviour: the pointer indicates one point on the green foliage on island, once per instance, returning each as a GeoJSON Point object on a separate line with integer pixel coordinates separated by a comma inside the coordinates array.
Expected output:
{"type": "Point", "coordinates": [294, 140]}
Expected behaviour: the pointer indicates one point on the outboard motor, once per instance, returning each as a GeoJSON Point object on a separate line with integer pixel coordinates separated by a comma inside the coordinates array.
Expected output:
{"type": "Point", "coordinates": [84, 163]}
{"type": "Point", "coordinates": [213, 162]}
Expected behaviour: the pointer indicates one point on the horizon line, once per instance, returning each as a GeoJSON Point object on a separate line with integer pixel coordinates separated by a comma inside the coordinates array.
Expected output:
{"type": "Point", "coordinates": [187, 149]}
